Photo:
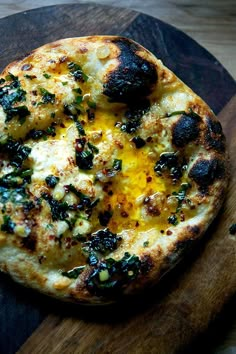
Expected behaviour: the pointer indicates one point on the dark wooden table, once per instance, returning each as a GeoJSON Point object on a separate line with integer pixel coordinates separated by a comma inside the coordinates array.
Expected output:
{"type": "Point", "coordinates": [163, 324]}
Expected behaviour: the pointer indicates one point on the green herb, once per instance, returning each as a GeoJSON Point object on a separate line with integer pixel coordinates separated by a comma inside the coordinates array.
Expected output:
{"type": "Point", "coordinates": [37, 134]}
{"type": "Point", "coordinates": [30, 77]}
{"type": "Point", "coordinates": [8, 225]}
{"type": "Point", "coordinates": [175, 113]}
{"type": "Point", "coordinates": [145, 244]}
{"type": "Point", "coordinates": [2, 81]}
{"type": "Point", "coordinates": [51, 130]}
{"type": "Point", "coordinates": [91, 104]}
{"type": "Point", "coordinates": [181, 195]}
{"type": "Point", "coordinates": [170, 162]}
{"type": "Point", "coordinates": [58, 209]}
{"type": "Point", "coordinates": [64, 83]}
{"type": "Point", "coordinates": [119, 274]}
{"type": "Point", "coordinates": [77, 72]}
{"type": "Point", "coordinates": [80, 128]}
{"type": "Point", "coordinates": [53, 114]}
{"type": "Point", "coordinates": [47, 76]}
{"type": "Point", "coordinates": [21, 112]}
{"type": "Point", "coordinates": [49, 226]}
{"type": "Point", "coordinates": [78, 99]}
{"type": "Point", "coordinates": [190, 113]}
{"type": "Point", "coordinates": [103, 241]}
{"type": "Point", "coordinates": [84, 201]}
{"type": "Point", "coordinates": [84, 159]}
{"type": "Point", "coordinates": [117, 165]}
{"type": "Point", "coordinates": [11, 77]}
{"type": "Point", "coordinates": [77, 90]}
{"type": "Point", "coordinates": [172, 219]}
{"type": "Point", "coordinates": [93, 148]}
{"type": "Point", "coordinates": [16, 151]}
{"type": "Point", "coordinates": [11, 94]}
{"type": "Point", "coordinates": [73, 273]}
{"type": "Point", "coordinates": [47, 97]}
{"type": "Point", "coordinates": [16, 178]}
{"type": "Point", "coordinates": [14, 195]}
{"type": "Point", "coordinates": [51, 180]}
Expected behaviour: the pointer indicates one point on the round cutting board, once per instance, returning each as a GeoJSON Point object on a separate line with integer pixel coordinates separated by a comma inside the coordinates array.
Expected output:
{"type": "Point", "coordinates": [172, 315]}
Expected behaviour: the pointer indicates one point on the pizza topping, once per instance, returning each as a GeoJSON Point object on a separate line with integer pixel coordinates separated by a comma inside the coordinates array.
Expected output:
{"type": "Point", "coordinates": [47, 97]}
{"type": "Point", "coordinates": [103, 241]}
{"type": "Point", "coordinates": [77, 72]}
{"type": "Point", "coordinates": [47, 76]}
{"type": "Point", "coordinates": [107, 173]}
{"type": "Point", "coordinates": [116, 274]}
{"type": "Point", "coordinates": [8, 225]}
{"type": "Point", "coordinates": [16, 178]}
{"type": "Point", "coordinates": [16, 152]}
{"type": "Point", "coordinates": [51, 181]}
{"type": "Point", "coordinates": [100, 167]}
{"type": "Point", "coordinates": [73, 273]}
{"type": "Point", "coordinates": [204, 172]}
{"type": "Point", "coordinates": [133, 78]}
{"type": "Point", "coordinates": [84, 159]}
{"type": "Point", "coordinates": [173, 220]}
{"type": "Point", "coordinates": [181, 195]}
{"type": "Point", "coordinates": [170, 162]}
{"type": "Point", "coordinates": [139, 142]}
{"type": "Point", "coordinates": [59, 210]}
{"type": "Point", "coordinates": [11, 94]}
{"type": "Point", "coordinates": [37, 134]}
{"type": "Point", "coordinates": [134, 116]}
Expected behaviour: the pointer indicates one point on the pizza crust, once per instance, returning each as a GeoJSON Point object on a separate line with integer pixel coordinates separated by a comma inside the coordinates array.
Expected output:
{"type": "Point", "coordinates": [120, 167]}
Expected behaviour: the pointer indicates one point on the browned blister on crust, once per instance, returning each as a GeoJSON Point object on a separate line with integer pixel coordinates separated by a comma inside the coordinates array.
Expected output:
{"type": "Point", "coordinates": [111, 169]}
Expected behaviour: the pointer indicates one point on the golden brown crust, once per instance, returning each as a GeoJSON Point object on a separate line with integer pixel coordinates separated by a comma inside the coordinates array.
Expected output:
{"type": "Point", "coordinates": [111, 168]}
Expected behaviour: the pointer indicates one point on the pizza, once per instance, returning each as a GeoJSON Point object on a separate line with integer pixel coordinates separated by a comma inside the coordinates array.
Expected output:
{"type": "Point", "coordinates": [111, 168]}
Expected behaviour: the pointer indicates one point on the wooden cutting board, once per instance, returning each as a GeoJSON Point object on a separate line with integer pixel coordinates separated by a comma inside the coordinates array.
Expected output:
{"type": "Point", "coordinates": [170, 317]}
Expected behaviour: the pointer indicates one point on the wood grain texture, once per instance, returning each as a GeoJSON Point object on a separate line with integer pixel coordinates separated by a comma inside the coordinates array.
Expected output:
{"type": "Point", "coordinates": [170, 324]}
{"type": "Point", "coordinates": [168, 309]}
{"type": "Point", "coordinates": [211, 23]}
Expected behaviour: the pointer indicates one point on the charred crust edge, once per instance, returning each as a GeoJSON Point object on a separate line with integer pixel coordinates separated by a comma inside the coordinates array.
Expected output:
{"type": "Point", "coordinates": [185, 130]}
{"type": "Point", "coordinates": [205, 172]}
{"type": "Point", "coordinates": [134, 76]}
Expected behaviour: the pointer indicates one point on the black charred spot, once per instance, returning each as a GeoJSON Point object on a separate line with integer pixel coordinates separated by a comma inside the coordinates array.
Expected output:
{"type": "Point", "coordinates": [29, 242]}
{"type": "Point", "coordinates": [194, 230]}
{"type": "Point", "coordinates": [205, 172]}
{"type": "Point", "coordinates": [104, 217]}
{"type": "Point", "coordinates": [185, 130]}
{"type": "Point", "coordinates": [146, 264]}
{"type": "Point", "coordinates": [133, 77]}
{"type": "Point", "coordinates": [181, 248]}
{"type": "Point", "coordinates": [214, 136]}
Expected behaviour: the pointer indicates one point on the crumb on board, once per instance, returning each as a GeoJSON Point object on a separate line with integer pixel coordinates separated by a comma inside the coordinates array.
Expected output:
{"type": "Point", "coordinates": [232, 229]}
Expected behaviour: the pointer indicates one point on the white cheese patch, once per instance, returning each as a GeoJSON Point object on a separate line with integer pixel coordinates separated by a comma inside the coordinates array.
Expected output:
{"type": "Point", "coordinates": [50, 157]}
